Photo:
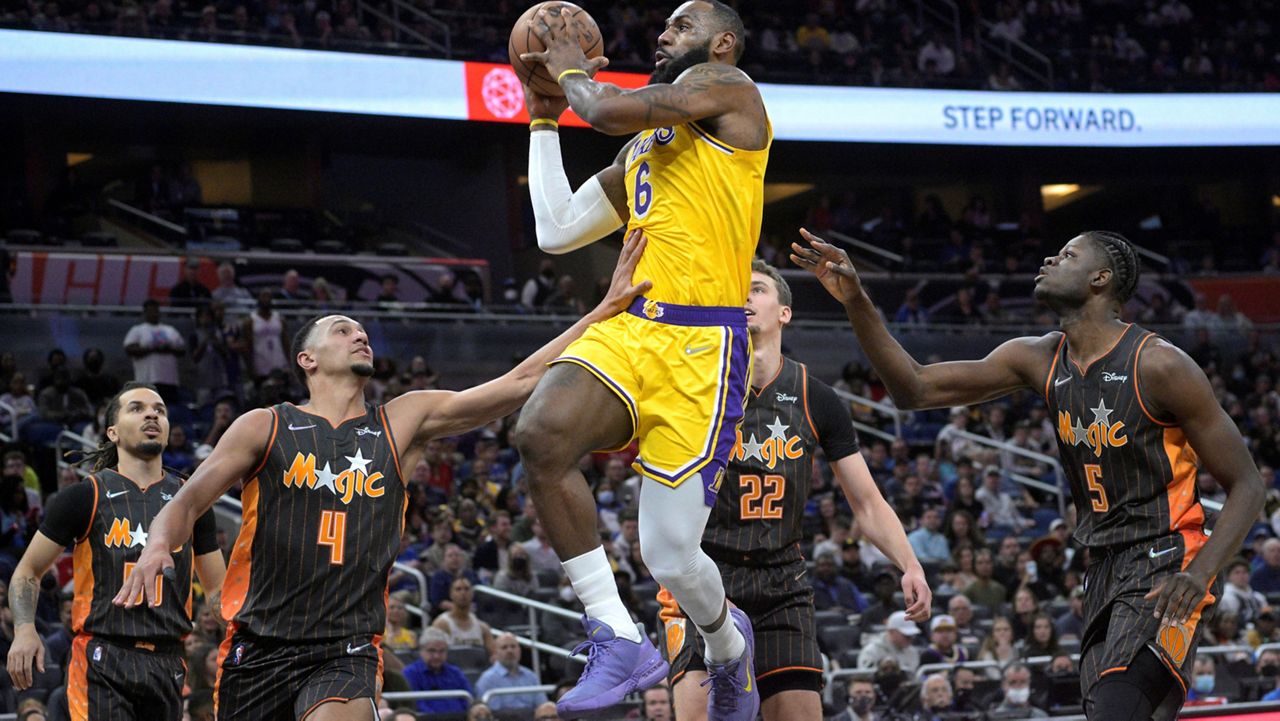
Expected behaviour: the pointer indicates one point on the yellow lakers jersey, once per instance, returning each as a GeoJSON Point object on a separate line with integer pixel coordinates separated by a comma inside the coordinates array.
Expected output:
{"type": "Point", "coordinates": [699, 201]}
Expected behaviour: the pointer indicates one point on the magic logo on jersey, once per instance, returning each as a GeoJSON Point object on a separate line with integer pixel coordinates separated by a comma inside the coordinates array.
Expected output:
{"type": "Point", "coordinates": [354, 481]}
{"type": "Point", "coordinates": [1099, 434]}
{"type": "Point", "coordinates": [122, 534]}
{"type": "Point", "coordinates": [779, 445]}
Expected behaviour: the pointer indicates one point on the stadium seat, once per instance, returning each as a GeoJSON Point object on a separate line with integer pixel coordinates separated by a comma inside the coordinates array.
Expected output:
{"type": "Point", "coordinates": [829, 618]}
{"type": "Point", "coordinates": [98, 239]}
{"type": "Point", "coordinates": [332, 247]}
{"type": "Point", "coordinates": [287, 245]}
{"type": "Point", "coordinates": [836, 639]}
{"type": "Point", "coordinates": [215, 243]}
{"type": "Point", "coordinates": [25, 236]}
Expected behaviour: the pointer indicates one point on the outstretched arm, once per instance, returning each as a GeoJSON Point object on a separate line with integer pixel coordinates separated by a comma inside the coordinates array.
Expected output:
{"type": "Point", "coordinates": [883, 528]}
{"type": "Point", "coordinates": [1017, 363]}
{"type": "Point", "coordinates": [236, 456]}
{"type": "Point", "coordinates": [1177, 390]}
{"type": "Point", "coordinates": [442, 413]}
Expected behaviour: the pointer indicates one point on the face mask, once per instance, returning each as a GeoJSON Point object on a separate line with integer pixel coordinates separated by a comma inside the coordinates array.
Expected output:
{"type": "Point", "coordinates": [1203, 683]}
{"type": "Point", "coordinates": [605, 498]}
{"type": "Point", "coordinates": [1018, 696]}
{"type": "Point", "coordinates": [860, 705]}
{"type": "Point", "coordinates": [567, 595]}
{"type": "Point", "coordinates": [1269, 670]}
{"type": "Point", "coordinates": [520, 564]}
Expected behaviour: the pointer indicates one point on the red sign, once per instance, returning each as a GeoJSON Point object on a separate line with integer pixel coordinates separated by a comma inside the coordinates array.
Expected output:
{"type": "Point", "coordinates": [1255, 296]}
{"type": "Point", "coordinates": [494, 93]}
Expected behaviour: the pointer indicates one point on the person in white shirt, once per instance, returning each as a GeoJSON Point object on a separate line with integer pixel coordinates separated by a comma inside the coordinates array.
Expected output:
{"type": "Point", "coordinates": [155, 348]}
{"type": "Point", "coordinates": [264, 339]}
{"type": "Point", "coordinates": [1238, 596]}
{"type": "Point", "coordinates": [998, 505]}
{"type": "Point", "coordinates": [944, 60]}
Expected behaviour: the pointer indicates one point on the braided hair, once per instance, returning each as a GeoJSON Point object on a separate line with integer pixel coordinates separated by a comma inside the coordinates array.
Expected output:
{"type": "Point", "coordinates": [106, 455]}
{"type": "Point", "coordinates": [1122, 260]}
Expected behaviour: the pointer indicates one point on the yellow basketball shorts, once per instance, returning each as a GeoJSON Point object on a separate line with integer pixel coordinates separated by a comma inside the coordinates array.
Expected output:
{"type": "Point", "coordinates": [682, 373]}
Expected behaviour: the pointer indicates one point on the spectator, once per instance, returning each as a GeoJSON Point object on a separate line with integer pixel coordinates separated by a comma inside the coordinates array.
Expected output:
{"type": "Point", "coordinates": [1008, 27]}
{"type": "Point", "coordinates": [1025, 609]}
{"type": "Point", "coordinates": [937, 52]}
{"type": "Point", "coordinates": [861, 695]}
{"type": "Point", "coordinates": [1017, 695]}
{"type": "Point", "coordinates": [189, 291]}
{"type": "Point", "coordinates": [1070, 625]}
{"type": "Point", "coordinates": [155, 348]}
{"type": "Point", "coordinates": [832, 591]}
{"type": "Point", "coordinates": [1000, 506]}
{"type": "Point", "coordinates": [911, 313]}
{"type": "Point", "coordinates": [210, 353]}
{"type": "Point", "coordinates": [64, 403]}
{"type": "Point", "coordinates": [97, 384]}
{"type": "Point", "coordinates": [1008, 569]}
{"type": "Point", "coordinates": [1264, 629]}
{"type": "Point", "coordinates": [390, 290]}
{"type": "Point", "coordinates": [536, 290]}
{"type": "Point", "coordinates": [398, 638]}
{"type": "Point", "coordinates": [963, 681]}
{"type": "Point", "coordinates": [517, 577]}
{"type": "Point", "coordinates": [460, 623]}
{"type": "Point", "coordinates": [1043, 638]}
{"type": "Point", "coordinates": [1268, 666]}
{"type": "Point", "coordinates": [1204, 679]}
{"type": "Point", "coordinates": [452, 567]}
{"type": "Point", "coordinates": [542, 556]}
{"type": "Point", "coordinates": [927, 540]}
{"type": "Point", "coordinates": [19, 398]}
{"type": "Point", "coordinates": [228, 292]}
{"type": "Point", "coordinates": [943, 646]}
{"type": "Point", "coordinates": [1266, 578]}
{"type": "Point", "coordinates": [1003, 79]}
{"type": "Point", "coordinates": [491, 556]}
{"type": "Point", "coordinates": [506, 672]}
{"type": "Point", "coordinates": [433, 672]}
{"type": "Point", "coordinates": [963, 535]}
{"type": "Point", "coordinates": [179, 454]}
{"type": "Point", "coordinates": [656, 704]}
{"type": "Point", "coordinates": [999, 645]}
{"type": "Point", "coordinates": [1238, 597]}
{"type": "Point", "coordinates": [960, 608]}
{"type": "Point", "coordinates": [264, 339]}
{"type": "Point", "coordinates": [935, 697]}
{"type": "Point", "coordinates": [291, 290]}
{"type": "Point", "coordinates": [894, 643]}
{"type": "Point", "coordinates": [812, 36]}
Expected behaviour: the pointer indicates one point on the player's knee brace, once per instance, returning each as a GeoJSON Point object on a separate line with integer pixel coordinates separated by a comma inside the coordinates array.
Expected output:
{"type": "Point", "coordinates": [1132, 694]}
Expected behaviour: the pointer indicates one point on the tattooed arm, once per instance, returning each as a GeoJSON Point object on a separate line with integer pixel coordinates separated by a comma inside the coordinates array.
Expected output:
{"type": "Point", "coordinates": [703, 91]}
{"type": "Point", "coordinates": [24, 592]}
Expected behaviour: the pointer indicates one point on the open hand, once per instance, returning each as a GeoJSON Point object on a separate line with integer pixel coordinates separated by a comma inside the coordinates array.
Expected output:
{"type": "Point", "coordinates": [1177, 597]}
{"type": "Point", "coordinates": [141, 583]}
{"type": "Point", "coordinates": [830, 264]}
{"type": "Point", "coordinates": [26, 651]}
{"type": "Point", "coordinates": [563, 50]}
{"type": "Point", "coordinates": [621, 290]}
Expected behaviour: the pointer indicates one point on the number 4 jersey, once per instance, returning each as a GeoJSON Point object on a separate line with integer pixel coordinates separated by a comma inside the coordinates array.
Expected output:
{"type": "Point", "coordinates": [322, 522]}
{"type": "Point", "coordinates": [1132, 475]}
{"type": "Point", "coordinates": [760, 508]}
{"type": "Point", "coordinates": [106, 519]}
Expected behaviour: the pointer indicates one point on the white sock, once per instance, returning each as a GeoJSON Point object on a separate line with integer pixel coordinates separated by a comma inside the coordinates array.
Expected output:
{"type": "Point", "coordinates": [592, 579]}
{"type": "Point", "coordinates": [725, 644]}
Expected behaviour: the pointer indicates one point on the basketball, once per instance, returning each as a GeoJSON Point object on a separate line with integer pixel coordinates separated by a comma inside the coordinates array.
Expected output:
{"type": "Point", "coordinates": [524, 40]}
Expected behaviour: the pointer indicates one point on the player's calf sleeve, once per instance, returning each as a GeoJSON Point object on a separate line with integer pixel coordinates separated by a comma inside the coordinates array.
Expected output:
{"type": "Point", "coordinates": [671, 525]}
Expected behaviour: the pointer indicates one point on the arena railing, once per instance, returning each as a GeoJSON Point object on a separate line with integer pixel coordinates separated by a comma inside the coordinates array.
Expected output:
{"type": "Point", "coordinates": [69, 442]}
{"type": "Point", "coordinates": [896, 416]}
{"type": "Point", "coordinates": [533, 607]}
{"type": "Point", "coordinates": [516, 691]}
{"type": "Point", "coordinates": [427, 695]}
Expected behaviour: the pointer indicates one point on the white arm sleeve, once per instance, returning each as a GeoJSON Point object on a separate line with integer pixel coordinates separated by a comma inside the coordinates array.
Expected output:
{"type": "Point", "coordinates": [565, 220]}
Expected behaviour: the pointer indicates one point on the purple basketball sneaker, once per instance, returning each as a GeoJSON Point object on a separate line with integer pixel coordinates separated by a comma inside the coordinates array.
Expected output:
{"type": "Point", "coordinates": [734, 696]}
{"type": "Point", "coordinates": [615, 668]}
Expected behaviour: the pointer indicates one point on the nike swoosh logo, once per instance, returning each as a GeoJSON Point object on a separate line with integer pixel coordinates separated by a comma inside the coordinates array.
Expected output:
{"type": "Point", "coordinates": [699, 349]}
{"type": "Point", "coordinates": [1152, 553]}
{"type": "Point", "coordinates": [301, 428]}
{"type": "Point", "coordinates": [1061, 381]}
{"type": "Point", "coordinates": [801, 574]}
{"type": "Point", "coordinates": [357, 649]}
{"type": "Point", "coordinates": [117, 493]}
{"type": "Point", "coordinates": [750, 681]}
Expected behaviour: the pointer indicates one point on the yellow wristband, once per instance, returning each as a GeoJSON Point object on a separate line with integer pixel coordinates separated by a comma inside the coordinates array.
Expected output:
{"type": "Point", "coordinates": [570, 71]}
{"type": "Point", "coordinates": [543, 121]}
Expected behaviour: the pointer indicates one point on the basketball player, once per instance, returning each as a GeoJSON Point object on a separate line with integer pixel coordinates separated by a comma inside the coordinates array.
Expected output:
{"type": "Point", "coordinates": [324, 504]}
{"type": "Point", "coordinates": [1135, 417]}
{"type": "Point", "coordinates": [125, 663]}
{"type": "Point", "coordinates": [755, 527]}
{"type": "Point", "coordinates": [673, 369]}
